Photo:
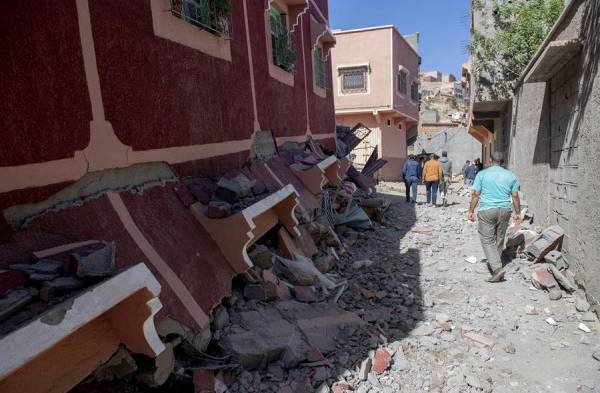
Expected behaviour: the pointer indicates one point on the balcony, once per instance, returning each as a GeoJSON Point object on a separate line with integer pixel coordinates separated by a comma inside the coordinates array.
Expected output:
{"type": "Point", "coordinates": [284, 55]}
{"type": "Point", "coordinates": [210, 15]}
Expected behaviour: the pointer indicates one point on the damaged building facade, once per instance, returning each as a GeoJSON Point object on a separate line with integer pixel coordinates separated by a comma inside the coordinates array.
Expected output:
{"type": "Point", "coordinates": [146, 146]}
{"type": "Point", "coordinates": [554, 139]}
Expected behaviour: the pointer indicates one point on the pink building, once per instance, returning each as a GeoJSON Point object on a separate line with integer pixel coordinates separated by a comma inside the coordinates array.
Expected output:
{"type": "Point", "coordinates": [375, 82]}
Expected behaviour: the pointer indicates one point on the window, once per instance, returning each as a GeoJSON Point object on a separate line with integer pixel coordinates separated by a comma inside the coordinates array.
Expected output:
{"type": "Point", "coordinates": [402, 75]}
{"type": "Point", "coordinates": [414, 92]}
{"type": "Point", "coordinates": [354, 80]}
{"type": "Point", "coordinates": [319, 69]}
{"type": "Point", "coordinates": [210, 15]}
{"type": "Point", "coordinates": [284, 55]}
{"type": "Point", "coordinates": [399, 126]}
{"type": "Point", "coordinates": [389, 123]}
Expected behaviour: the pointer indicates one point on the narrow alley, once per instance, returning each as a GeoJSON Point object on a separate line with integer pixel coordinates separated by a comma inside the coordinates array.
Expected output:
{"type": "Point", "coordinates": [435, 325]}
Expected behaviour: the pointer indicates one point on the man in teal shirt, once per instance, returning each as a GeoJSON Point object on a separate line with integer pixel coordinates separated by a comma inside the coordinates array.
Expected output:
{"type": "Point", "coordinates": [495, 190]}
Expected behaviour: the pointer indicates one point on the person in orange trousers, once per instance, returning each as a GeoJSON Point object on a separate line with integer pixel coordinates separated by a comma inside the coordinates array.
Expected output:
{"type": "Point", "coordinates": [432, 175]}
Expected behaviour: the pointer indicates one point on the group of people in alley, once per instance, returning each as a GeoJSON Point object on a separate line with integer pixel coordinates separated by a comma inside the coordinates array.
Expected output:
{"type": "Point", "coordinates": [495, 194]}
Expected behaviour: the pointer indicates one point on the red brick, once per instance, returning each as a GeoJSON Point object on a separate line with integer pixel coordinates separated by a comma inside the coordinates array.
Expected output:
{"type": "Point", "coordinates": [543, 279]}
{"type": "Point", "coordinates": [381, 362]}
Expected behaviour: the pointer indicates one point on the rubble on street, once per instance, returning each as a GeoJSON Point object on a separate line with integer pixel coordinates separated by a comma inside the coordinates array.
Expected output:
{"type": "Point", "coordinates": [386, 307]}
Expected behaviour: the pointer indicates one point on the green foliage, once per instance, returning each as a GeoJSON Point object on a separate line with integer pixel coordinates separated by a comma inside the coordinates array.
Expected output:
{"type": "Point", "coordinates": [520, 27]}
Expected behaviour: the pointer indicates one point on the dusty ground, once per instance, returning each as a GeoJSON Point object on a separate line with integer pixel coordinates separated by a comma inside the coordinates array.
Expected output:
{"type": "Point", "coordinates": [527, 353]}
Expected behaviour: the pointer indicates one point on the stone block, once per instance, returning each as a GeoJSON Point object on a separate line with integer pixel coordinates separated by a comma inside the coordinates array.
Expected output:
{"type": "Point", "coordinates": [95, 263]}
{"type": "Point", "coordinates": [261, 256]}
{"type": "Point", "coordinates": [228, 190]}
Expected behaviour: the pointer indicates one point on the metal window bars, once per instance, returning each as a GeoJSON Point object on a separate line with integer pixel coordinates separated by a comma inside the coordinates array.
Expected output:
{"type": "Point", "coordinates": [213, 16]}
{"type": "Point", "coordinates": [284, 55]}
{"type": "Point", "coordinates": [319, 69]}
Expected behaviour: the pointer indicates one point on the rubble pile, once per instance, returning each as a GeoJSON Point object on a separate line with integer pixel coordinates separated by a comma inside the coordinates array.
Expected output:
{"type": "Point", "coordinates": [228, 195]}
{"type": "Point", "coordinates": [43, 282]}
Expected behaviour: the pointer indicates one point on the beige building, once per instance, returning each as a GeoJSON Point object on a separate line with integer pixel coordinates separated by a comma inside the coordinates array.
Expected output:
{"type": "Point", "coordinates": [376, 82]}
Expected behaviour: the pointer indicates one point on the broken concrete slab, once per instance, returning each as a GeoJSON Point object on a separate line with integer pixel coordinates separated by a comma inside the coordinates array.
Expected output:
{"type": "Point", "coordinates": [96, 263]}
{"type": "Point", "coordinates": [42, 266]}
{"type": "Point", "coordinates": [550, 239]}
{"type": "Point", "coordinates": [321, 323]}
{"type": "Point", "coordinates": [15, 301]}
{"type": "Point", "coordinates": [59, 286]}
{"type": "Point", "coordinates": [261, 337]}
{"type": "Point", "coordinates": [228, 190]}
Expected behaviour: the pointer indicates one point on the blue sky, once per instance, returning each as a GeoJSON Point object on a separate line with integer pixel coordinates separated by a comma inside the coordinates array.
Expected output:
{"type": "Point", "coordinates": [443, 24]}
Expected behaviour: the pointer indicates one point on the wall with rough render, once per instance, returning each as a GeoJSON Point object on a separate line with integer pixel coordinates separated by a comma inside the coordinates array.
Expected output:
{"type": "Point", "coordinates": [555, 143]}
{"type": "Point", "coordinates": [459, 144]}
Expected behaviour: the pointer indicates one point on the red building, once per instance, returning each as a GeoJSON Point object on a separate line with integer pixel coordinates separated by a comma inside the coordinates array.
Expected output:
{"type": "Point", "coordinates": [107, 105]}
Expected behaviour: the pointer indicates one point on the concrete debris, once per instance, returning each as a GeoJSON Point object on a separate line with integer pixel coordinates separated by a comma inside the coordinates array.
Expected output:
{"type": "Point", "coordinates": [163, 366]}
{"type": "Point", "coordinates": [95, 263]}
{"type": "Point", "coordinates": [43, 266]}
{"type": "Point", "coordinates": [301, 271]}
{"type": "Point", "coordinates": [16, 300]}
{"type": "Point", "coordinates": [583, 327]}
{"type": "Point", "coordinates": [547, 241]}
{"type": "Point", "coordinates": [550, 321]}
{"type": "Point", "coordinates": [557, 259]}
{"type": "Point", "coordinates": [120, 365]}
{"type": "Point", "coordinates": [228, 190]}
{"type": "Point", "coordinates": [365, 369]}
{"type": "Point", "coordinates": [471, 259]}
{"type": "Point", "coordinates": [581, 304]}
{"type": "Point", "coordinates": [261, 256]}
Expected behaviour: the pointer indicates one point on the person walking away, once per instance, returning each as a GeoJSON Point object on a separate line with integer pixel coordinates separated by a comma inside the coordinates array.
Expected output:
{"type": "Point", "coordinates": [432, 174]}
{"type": "Point", "coordinates": [411, 173]}
{"type": "Point", "coordinates": [470, 174]}
{"type": "Point", "coordinates": [494, 190]}
{"type": "Point", "coordinates": [464, 169]}
{"type": "Point", "coordinates": [446, 165]}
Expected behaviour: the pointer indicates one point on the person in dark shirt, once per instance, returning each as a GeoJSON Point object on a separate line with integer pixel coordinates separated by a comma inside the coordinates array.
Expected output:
{"type": "Point", "coordinates": [411, 173]}
{"type": "Point", "coordinates": [470, 173]}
